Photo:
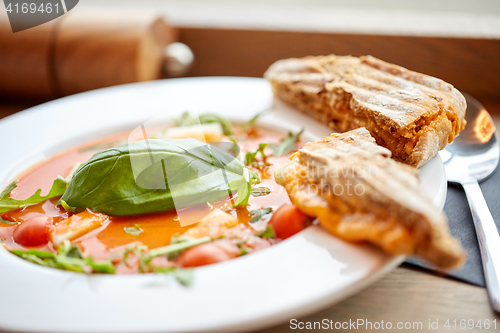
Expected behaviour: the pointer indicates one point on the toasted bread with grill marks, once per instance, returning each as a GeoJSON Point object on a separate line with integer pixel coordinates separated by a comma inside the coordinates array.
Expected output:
{"type": "Point", "coordinates": [412, 114]}
{"type": "Point", "coordinates": [359, 193]}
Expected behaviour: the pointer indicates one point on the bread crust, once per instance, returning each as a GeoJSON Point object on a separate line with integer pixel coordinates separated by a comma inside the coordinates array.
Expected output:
{"type": "Point", "coordinates": [412, 114]}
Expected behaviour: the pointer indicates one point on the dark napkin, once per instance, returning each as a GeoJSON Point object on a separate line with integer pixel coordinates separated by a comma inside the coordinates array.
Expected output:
{"type": "Point", "coordinates": [462, 227]}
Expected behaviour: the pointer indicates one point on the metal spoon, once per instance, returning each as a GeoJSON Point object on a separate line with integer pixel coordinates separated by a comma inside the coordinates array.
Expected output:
{"type": "Point", "coordinates": [471, 158]}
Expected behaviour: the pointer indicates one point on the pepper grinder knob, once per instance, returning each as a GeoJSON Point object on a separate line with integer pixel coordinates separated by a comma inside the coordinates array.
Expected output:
{"type": "Point", "coordinates": [178, 60]}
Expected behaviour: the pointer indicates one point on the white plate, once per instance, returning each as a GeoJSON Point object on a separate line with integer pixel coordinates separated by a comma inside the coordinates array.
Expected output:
{"type": "Point", "coordinates": [301, 275]}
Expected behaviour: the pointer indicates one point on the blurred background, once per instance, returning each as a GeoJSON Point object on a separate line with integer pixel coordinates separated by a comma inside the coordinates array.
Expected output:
{"type": "Point", "coordinates": [102, 43]}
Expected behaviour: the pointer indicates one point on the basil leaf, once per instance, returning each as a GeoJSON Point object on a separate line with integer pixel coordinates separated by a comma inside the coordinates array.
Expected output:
{"type": "Point", "coordinates": [8, 204]}
{"type": "Point", "coordinates": [135, 230]}
{"type": "Point", "coordinates": [287, 144]}
{"type": "Point", "coordinates": [259, 214]}
{"type": "Point", "coordinates": [157, 175]}
{"type": "Point", "coordinates": [268, 233]}
{"type": "Point", "coordinates": [259, 191]}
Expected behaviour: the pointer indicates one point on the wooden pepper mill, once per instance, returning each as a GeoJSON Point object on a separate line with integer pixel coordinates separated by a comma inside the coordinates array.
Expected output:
{"type": "Point", "coordinates": [88, 49]}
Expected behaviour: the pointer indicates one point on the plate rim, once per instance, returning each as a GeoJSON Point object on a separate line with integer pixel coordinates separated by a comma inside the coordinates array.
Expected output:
{"type": "Point", "coordinates": [312, 306]}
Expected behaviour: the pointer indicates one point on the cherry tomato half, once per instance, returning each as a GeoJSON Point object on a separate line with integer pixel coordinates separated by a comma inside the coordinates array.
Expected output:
{"type": "Point", "coordinates": [209, 253]}
{"type": "Point", "coordinates": [32, 232]}
{"type": "Point", "coordinates": [288, 220]}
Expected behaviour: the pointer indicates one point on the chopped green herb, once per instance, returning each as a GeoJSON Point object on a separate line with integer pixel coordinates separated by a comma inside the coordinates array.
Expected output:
{"type": "Point", "coordinates": [135, 230]}
{"type": "Point", "coordinates": [245, 250]}
{"type": "Point", "coordinates": [8, 204]}
{"type": "Point", "coordinates": [268, 233]}
{"type": "Point", "coordinates": [177, 247]}
{"type": "Point", "coordinates": [287, 144]}
{"type": "Point", "coordinates": [6, 221]}
{"type": "Point", "coordinates": [250, 158]}
{"type": "Point", "coordinates": [259, 214]}
{"type": "Point", "coordinates": [259, 191]}
{"type": "Point", "coordinates": [251, 123]}
{"type": "Point", "coordinates": [129, 249]}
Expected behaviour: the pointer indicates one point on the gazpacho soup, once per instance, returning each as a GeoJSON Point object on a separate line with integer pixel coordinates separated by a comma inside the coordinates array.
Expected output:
{"type": "Point", "coordinates": [199, 191]}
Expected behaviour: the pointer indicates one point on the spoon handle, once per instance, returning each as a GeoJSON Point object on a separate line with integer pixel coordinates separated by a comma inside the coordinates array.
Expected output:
{"type": "Point", "coordinates": [489, 240]}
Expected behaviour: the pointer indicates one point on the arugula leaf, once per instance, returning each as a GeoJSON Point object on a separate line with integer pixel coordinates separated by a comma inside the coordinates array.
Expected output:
{"type": "Point", "coordinates": [259, 191]}
{"type": "Point", "coordinates": [67, 207]}
{"type": "Point", "coordinates": [175, 240]}
{"type": "Point", "coordinates": [250, 124]}
{"type": "Point", "coordinates": [8, 204]}
{"type": "Point", "coordinates": [185, 276]}
{"type": "Point", "coordinates": [250, 158]}
{"type": "Point", "coordinates": [287, 144]}
{"type": "Point", "coordinates": [181, 246]}
{"type": "Point", "coordinates": [7, 222]}
{"type": "Point", "coordinates": [100, 266]}
{"type": "Point", "coordinates": [227, 127]}
{"type": "Point", "coordinates": [69, 250]}
{"type": "Point", "coordinates": [68, 258]}
{"type": "Point", "coordinates": [259, 214]}
{"type": "Point", "coordinates": [37, 253]}
{"type": "Point", "coordinates": [184, 120]}
{"type": "Point", "coordinates": [245, 250]}
{"type": "Point", "coordinates": [157, 175]}
{"type": "Point", "coordinates": [135, 230]}
{"type": "Point", "coordinates": [187, 120]}
{"type": "Point", "coordinates": [243, 187]}
{"type": "Point", "coordinates": [268, 233]}
{"type": "Point", "coordinates": [34, 259]}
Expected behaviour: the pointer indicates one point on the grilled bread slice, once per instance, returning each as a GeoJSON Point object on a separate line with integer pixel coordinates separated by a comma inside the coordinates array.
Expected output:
{"type": "Point", "coordinates": [412, 114]}
{"type": "Point", "coordinates": [359, 193]}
